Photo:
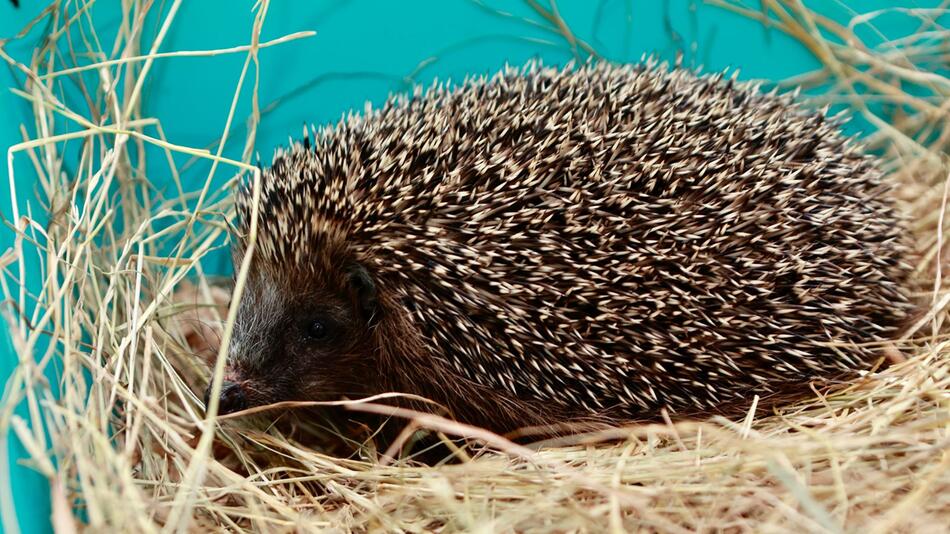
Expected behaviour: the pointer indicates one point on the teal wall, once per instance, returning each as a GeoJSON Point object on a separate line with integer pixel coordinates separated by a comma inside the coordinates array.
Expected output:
{"type": "Point", "coordinates": [366, 49]}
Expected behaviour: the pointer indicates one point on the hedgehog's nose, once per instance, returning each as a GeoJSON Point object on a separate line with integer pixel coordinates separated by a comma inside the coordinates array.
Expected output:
{"type": "Point", "coordinates": [232, 398]}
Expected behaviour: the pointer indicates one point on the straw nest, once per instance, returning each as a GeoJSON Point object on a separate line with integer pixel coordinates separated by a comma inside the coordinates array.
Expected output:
{"type": "Point", "coordinates": [114, 319]}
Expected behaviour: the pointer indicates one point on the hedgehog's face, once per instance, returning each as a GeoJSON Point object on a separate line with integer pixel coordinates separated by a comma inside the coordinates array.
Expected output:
{"type": "Point", "coordinates": [294, 341]}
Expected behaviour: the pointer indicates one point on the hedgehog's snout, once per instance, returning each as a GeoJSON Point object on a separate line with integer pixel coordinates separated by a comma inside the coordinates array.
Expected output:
{"type": "Point", "coordinates": [233, 398]}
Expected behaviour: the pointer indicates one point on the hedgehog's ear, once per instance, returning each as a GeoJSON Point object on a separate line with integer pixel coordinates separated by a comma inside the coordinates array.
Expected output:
{"type": "Point", "coordinates": [363, 289]}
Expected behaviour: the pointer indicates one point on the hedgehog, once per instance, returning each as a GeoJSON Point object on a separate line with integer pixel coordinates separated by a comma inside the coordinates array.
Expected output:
{"type": "Point", "coordinates": [556, 245]}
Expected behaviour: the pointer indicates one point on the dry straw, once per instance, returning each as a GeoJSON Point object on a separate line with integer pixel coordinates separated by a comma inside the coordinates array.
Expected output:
{"type": "Point", "coordinates": [109, 345]}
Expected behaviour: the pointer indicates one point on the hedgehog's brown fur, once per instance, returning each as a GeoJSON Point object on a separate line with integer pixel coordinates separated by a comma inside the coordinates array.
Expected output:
{"type": "Point", "coordinates": [591, 243]}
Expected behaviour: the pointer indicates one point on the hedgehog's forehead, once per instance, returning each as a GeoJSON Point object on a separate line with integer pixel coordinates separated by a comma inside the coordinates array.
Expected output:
{"type": "Point", "coordinates": [286, 286]}
{"type": "Point", "coordinates": [304, 210]}
{"type": "Point", "coordinates": [293, 253]}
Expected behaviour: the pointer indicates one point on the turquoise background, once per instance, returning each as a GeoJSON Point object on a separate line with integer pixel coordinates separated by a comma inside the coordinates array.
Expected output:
{"type": "Point", "coordinates": [366, 49]}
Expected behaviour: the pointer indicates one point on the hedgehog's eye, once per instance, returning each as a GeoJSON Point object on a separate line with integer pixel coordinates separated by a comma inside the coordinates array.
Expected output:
{"type": "Point", "coordinates": [317, 329]}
